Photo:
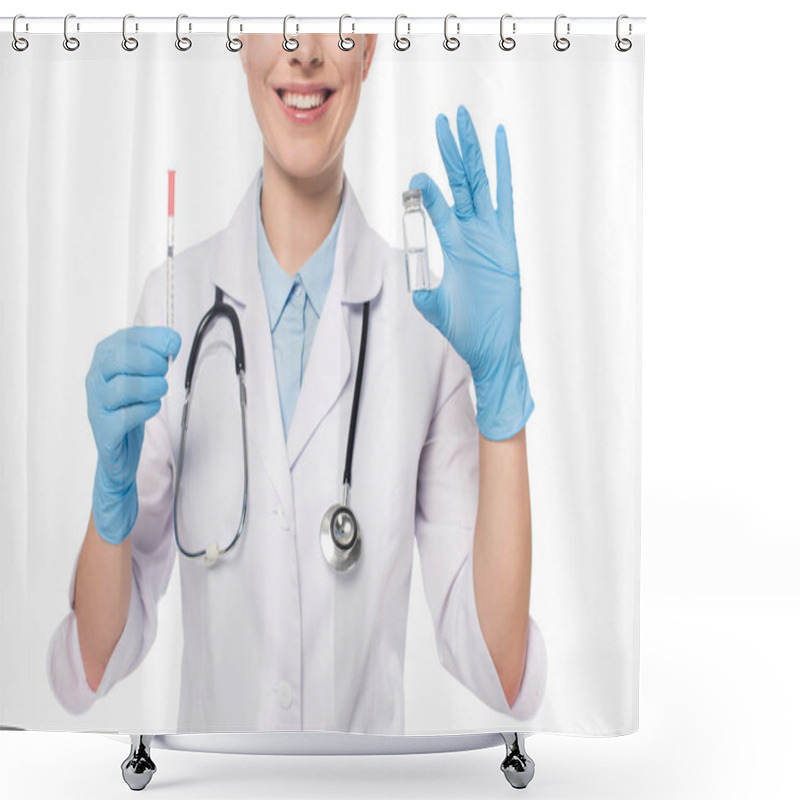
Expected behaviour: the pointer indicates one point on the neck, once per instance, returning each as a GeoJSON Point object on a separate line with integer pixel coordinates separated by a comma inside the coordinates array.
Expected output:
{"type": "Point", "coordinates": [298, 213]}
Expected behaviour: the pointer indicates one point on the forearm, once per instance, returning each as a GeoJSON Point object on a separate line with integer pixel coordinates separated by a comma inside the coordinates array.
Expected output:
{"type": "Point", "coordinates": [102, 596]}
{"type": "Point", "coordinates": [502, 556]}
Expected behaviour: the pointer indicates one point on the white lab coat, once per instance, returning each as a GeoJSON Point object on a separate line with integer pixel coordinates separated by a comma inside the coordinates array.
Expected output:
{"type": "Point", "coordinates": [273, 638]}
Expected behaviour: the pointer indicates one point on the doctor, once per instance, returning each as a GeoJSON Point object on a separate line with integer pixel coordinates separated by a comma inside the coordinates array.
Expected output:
{"type": "Point", "coordinates": [274, 639]}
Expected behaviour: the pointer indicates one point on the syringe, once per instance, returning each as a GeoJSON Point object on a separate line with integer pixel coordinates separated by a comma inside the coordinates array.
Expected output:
{"type": "Point", "coordinates": [170, 251]}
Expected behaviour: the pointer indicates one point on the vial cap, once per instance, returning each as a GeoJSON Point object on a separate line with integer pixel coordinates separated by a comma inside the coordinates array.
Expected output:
{"type": "Point", "coordinates": [412, 197]}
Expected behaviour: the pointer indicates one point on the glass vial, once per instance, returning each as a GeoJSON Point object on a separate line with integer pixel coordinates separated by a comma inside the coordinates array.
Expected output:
{"type": "Point", "coordinates": [418, 275]}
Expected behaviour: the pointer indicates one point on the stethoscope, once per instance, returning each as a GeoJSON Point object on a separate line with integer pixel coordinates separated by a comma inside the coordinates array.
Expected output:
{"type": "Point", "coordinates": [340, 533]}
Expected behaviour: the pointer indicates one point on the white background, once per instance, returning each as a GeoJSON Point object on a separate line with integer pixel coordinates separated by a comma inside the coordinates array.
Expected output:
{"type": "Point", "coordinates": [719, 601]}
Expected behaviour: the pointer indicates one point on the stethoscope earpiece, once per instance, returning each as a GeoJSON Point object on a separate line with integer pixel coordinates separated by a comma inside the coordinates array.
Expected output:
{"type": "Point", "coordinates": [211, 554]}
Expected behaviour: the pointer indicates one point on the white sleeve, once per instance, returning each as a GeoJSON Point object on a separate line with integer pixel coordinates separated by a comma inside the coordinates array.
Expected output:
{"type": "Point", "coordinates": [447, 503]}
{"type": "Point", "coordinates": [153, 556]}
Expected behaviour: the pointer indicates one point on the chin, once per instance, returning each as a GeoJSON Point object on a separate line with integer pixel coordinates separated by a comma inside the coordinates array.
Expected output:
{"type": "Point", "coordinates": [304, 172]}
{"type": "Point", "coordinates": [305, 167]}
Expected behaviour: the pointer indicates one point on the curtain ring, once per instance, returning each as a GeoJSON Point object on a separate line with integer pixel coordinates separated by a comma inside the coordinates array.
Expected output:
{"type": "Point", "coordinates": [286, 39]}
{"type": "Point", "coordinates": [19, 43]}
{"type": "Point", "coordinates": [70, 42]}
{"type": "Point", "coordinates": [506, 42]}
{"type": "Point", "coordinates": [183, 43]}
{"type": "Point", "coordinates": [129, 43]}
{"type": "Point", "coordinates": [623, 45]}
{"type": "Point", "coordinates": [451, 42]}
{"type": "Point", "coordinates": [234, 44]}
{"type": "Point", "coordinates": [401, 42]}
{"type": "Point", "coordinates": [561, 43]}
{"type": "Point", "coordinates": [342, 39]}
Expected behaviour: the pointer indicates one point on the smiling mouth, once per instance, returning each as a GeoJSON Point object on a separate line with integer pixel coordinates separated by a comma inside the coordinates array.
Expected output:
{"type": "Point", "coordinates": [304, 101]}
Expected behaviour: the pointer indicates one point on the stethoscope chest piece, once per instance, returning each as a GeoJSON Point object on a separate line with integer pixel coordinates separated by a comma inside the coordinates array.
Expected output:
{"type": "Point", "coordinates": [340, 533]}
{"type": "Point", "coordinates": [340, 538]}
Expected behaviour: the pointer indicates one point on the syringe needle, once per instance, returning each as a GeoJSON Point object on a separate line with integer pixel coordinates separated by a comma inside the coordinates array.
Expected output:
{"type": "Point", "coordinates": [170, 251]}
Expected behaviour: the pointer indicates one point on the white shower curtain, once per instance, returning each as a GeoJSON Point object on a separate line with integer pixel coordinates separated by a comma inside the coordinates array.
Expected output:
{"type": "Point", "coordinates": [83, 208]}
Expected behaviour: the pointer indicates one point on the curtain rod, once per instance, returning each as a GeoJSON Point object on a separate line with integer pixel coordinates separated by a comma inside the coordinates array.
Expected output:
{"type": "Point", "coordinates": [407, 25]}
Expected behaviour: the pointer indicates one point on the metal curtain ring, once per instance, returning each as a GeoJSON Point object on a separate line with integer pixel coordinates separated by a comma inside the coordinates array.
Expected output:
{"type": "Point", "coordinates": [234, 44]}
{"type": "Point", "coordinates": [70, 42]}
{"type": "Point", "coordinates": [561, 43]}
{"type": "Point", "coordinates": [183, 43]}
{"type": "Point", "coordinates": [129, 43]}
{"type": "Point", "coordinates": [451, 42]}
{"type": "Point", "coordinates": [287, 39]}
{"type": "Point", "coordinates": [345, 42]}
{"type": "Point", "coordinates": [401, 42]}
{"type": "Point", "coordinates": [506, 42]}
{"type": "Point", "coordinates": [623, 45]}
{"type": "Point", "coordinates": [19, 43]}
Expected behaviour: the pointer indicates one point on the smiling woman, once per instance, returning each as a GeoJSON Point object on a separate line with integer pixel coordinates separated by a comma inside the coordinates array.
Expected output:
{"type": "Point", "coordinates": [304, 102]}
{"type": "Point", "coordinates": [319, 265]}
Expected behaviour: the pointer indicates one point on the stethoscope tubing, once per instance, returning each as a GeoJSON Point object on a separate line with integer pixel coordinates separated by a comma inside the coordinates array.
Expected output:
{"type": "Point", "coordinates": [219, 309]}
{"type": "Point", "coordinates": [351, 433]}
{"type": "Point", "coordinates": [343, 556]}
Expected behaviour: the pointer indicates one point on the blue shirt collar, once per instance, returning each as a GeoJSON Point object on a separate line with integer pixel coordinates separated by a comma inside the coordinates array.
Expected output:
{"type": "Point", "coordinates": [315, 275]}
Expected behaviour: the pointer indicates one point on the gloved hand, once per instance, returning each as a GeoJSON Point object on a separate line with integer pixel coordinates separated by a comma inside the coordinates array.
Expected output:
{"type": "Point", "coordinates": [124, 387]}
{"type": "Point", "coordinates": [476, 307]}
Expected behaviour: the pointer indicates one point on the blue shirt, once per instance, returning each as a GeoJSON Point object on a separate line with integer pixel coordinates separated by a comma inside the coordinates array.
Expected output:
{"type": "Point", "coordinates": [294, 305]}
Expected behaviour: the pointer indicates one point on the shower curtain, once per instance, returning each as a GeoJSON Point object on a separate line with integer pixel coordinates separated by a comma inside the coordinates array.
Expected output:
{"type": "Point", "coordinates": [489, 578]}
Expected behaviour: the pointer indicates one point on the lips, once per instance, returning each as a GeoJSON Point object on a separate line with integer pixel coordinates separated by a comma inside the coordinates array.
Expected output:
{"type": "Point", "coordinates": [304, 102]}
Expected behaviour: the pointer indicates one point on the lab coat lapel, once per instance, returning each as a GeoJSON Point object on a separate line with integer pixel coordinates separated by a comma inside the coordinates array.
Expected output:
{"type": "Point", "coordinates": [235, 271]}
{"type": "Point", "coordinates": [357, 277]}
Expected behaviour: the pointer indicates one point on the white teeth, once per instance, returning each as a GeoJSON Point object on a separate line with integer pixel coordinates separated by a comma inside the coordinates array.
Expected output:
{"type": "Point", "coordinates": [303, 101]}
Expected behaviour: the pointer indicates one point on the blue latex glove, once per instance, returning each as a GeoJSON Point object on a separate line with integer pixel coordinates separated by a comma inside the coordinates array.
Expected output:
{"type": "Point", "coordinates": [476, 307]}
{"type": "Point", "coordinates": [124, 387]}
